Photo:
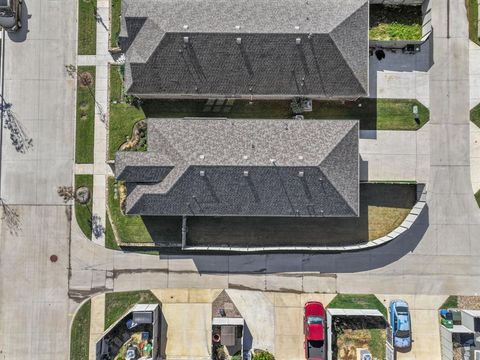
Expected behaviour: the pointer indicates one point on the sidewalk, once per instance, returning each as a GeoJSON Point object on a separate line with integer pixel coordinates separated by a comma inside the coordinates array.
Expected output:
{"type": "Point", "coordinates": [99, 169]}
{"type": "Point", "coordinates": [97, 323]}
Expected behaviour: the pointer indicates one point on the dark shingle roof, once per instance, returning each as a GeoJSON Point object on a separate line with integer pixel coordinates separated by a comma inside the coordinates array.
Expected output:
{"type": "Point", "coordinates": [221, 167]}
{"type": "Point", "coordinates": [331, 59]}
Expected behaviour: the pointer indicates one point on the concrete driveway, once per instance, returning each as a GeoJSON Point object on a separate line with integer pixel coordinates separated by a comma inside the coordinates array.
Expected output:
{"type": "Point", "coordinates": [425, 325]}
{"type": "Point", "coordinates": [186, 323]}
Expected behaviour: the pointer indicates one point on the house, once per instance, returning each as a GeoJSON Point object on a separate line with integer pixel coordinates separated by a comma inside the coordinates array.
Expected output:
{"type": "Point", "coordinates": [223, 167]}
{"type": "Point", "coordinates": [259, 49]}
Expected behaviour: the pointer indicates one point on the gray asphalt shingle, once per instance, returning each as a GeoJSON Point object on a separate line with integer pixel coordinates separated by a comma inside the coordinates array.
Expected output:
{"type": "Point", "coordinates": [210, 167]}
{"type": "Point", "coordinates": [214, 48]}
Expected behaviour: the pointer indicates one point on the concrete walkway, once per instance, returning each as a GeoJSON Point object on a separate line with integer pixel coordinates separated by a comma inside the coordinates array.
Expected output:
{"type": "Point", "coordinates": [97, 323]}
{"type": "Point", "coordinates": [99, 168]}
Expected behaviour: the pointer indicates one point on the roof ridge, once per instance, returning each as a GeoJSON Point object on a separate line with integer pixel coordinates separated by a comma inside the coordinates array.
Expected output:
{"type": "Point", "coordinates": [325, 171]}
{"type": "Point", "coordinates": [341, 48]}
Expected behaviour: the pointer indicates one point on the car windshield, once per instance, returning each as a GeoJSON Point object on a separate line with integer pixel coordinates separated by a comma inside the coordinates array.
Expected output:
{"type": "Point", "coordinates": [315, 320]}
{"type": "Point", "coordinates": [402, 333]}
{"type": "Point", "coordinates": [402, 310]}
{"type": "Point", "coordinates": [4, 3]}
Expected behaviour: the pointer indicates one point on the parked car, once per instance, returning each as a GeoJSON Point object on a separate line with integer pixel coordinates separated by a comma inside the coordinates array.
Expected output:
{"type": "Point", "coordinates": [400, 323]}
{"type": "Point", "coordinates": [314, 330]}
{"type": "Point", "coordinates": [10, 14]}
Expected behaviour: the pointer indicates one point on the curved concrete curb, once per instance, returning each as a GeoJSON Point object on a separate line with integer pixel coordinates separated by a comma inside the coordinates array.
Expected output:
{"type": "Point", "coordinates": [404, 226]}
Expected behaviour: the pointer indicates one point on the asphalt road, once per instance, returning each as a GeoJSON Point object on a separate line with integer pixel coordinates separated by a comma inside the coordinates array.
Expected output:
{"type": "Point", "coordinates": [438, 256]}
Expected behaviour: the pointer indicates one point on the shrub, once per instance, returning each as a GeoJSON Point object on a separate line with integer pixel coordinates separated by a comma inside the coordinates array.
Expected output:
{"type": "Point", "coordinates": [263, 355]}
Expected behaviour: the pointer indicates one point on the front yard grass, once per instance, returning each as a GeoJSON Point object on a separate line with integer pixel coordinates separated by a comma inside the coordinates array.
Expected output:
{"type": "Point", "coordinates": [475, 115]}
{"type": "Point", "coordinates": [395, 22]}
{"type": "Point", "coordinates": [110, 241]}
{"type": "Point", "coordinates": [472, 14]}
{"type": "Point", "coordinates": [118, 303]}
{"type": "Point", "coordinates": [115, 12]}
{"type": "Point", "coordinates": [85, 114]}
{"type": "Point", "coordinates": [358, 301]}
{"type": "Point", "coordinates": [87, 27]}
{"type": "Point", "coordinates": [83, 213]}
{"type": "Point", "coordinates": [130, 228]}
{"type": "Point", "coordinates": [79, 337]}
{"type": "Point", "coordinates": [477, 197]}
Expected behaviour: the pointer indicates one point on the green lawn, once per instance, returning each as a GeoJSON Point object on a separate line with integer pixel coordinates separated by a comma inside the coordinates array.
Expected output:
{"type": "Point", "coordinates": [450, 303]}
{"type": "Point", "coordinates": [115, 22]}
{"type": "Point", "coordinates": [79, 338]}
{"type": "Point", "coordinates": [118, 303]}
{"type": "Point", "coordinates": [477, 197]}
{"type": "Point", "coordinates": [376, 345]}
{"type": "Point", "coordinates": [358, 301]}
{"type": "Point", "coordinates": [85, 123]}
{"type": "Point", "coordinates": [116, 84]}
{"type": "Point", "coordinates": [110, 242]}
{"type": "Point", "coordinates": [395, 22]}
{"type": "Point", "coordinates": [87, 27]}
{"type": "Point", "coordinates": [83, 213]}
{"type": "Point", "coordinates": [472, 14]}
{"type": "Point", "coordinates": [129, 228]}
{"type": "Point", "coordinates": [475, 115]}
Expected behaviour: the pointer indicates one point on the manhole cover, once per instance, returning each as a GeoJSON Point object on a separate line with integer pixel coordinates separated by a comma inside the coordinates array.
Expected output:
{"type": "Point", "coordinates": [53, 258]}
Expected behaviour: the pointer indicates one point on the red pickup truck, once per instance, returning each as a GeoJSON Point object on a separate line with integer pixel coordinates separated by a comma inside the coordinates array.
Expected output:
{"type": "Point", "coordinates": [314, 330]}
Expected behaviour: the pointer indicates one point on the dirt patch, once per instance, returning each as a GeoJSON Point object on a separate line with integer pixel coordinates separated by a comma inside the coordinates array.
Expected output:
{"type": "Point", "coordinates": [85, 79]}
{"type": "Point", "coordinates": [469, 302]}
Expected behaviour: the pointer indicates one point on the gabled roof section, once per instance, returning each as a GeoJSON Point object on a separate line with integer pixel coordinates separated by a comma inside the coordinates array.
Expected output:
{"type": "Point", "coordinates": [208, 47]}
{"type": "Point", "coordinates": [222, 167]}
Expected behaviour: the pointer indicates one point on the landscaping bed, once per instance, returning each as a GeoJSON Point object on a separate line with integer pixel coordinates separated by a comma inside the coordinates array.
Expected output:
{"type": "Point", "coordinates": [80, 333]}
{"type": "Point", "coordinates": [85, 115]}
{"type": "Point", "coordinates": [383, 207]}
{"type": "Point", "coordinates": [87, 27]}
{"type": "Point", "coordinates": [395, 22]}
{"type": "Point", "coordinates": [477, 197]}
{"type": "Point", "coordinates": [118, 303]}
{"type": "Point", "coordinates": [83, 212]}
{"type": "Point", "coordinates": [475, 115]}
{"type": "Point", "coordinates": [349, 340]}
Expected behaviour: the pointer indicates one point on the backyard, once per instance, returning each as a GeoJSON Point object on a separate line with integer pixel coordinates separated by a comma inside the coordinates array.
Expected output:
{"type": "Point", "coordinates": [87, 27]}
{"type": "Point", "coordinates": [358, 332]}
{"type": "Point", "coordinates": [85, 115]}
{"type": "Point", "coordinates": [83, 212]}
{"type": "Point", "coordinates": [383, 207]}
{"type": "Point", "coordinates": [395, 22]}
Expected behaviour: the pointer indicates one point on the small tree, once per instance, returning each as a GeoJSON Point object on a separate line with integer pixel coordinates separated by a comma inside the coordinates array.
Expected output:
{"type": "Point", "coordinates": [263, 355]}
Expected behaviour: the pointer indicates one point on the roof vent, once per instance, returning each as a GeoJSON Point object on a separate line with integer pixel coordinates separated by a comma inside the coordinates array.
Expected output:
{"type": "Point", "coordinates": [245, 173]}
{"type": "Point", "coordinates": [202, 156]}
{"type": "Point", "coordinates": [202, 173]}
{"type": "Point", "coordinates": [239, 41]}
{"type": "Point", "coordinates": [300, 157]}
{"type": "Point", "coordinates": [245, 157]}
{"type": "Point", "coordinates": [185, 39]}
{"type": "Point", "coordinates": [297, 27]}
{"type": "Point", "coordinates": [185, 27]}
{"type": "Point", "coordinates": [298, 41]}
{"type": "Point", "coordinates": [301, 174]}
{"type": "Point", "coordinates": [237, 27]}
{"type": "Point", "coordinates": [272, 161]}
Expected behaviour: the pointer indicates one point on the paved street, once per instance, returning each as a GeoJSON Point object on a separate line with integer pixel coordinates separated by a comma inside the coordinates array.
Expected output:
{"type": "Point", "coordinates": [438, 256]}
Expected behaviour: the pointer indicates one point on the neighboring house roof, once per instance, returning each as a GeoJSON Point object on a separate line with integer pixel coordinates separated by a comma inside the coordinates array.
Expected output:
{"type": "Point", "coordinates": [246, 47]}
{"type": "Point", "coordinates": [222, 167]}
